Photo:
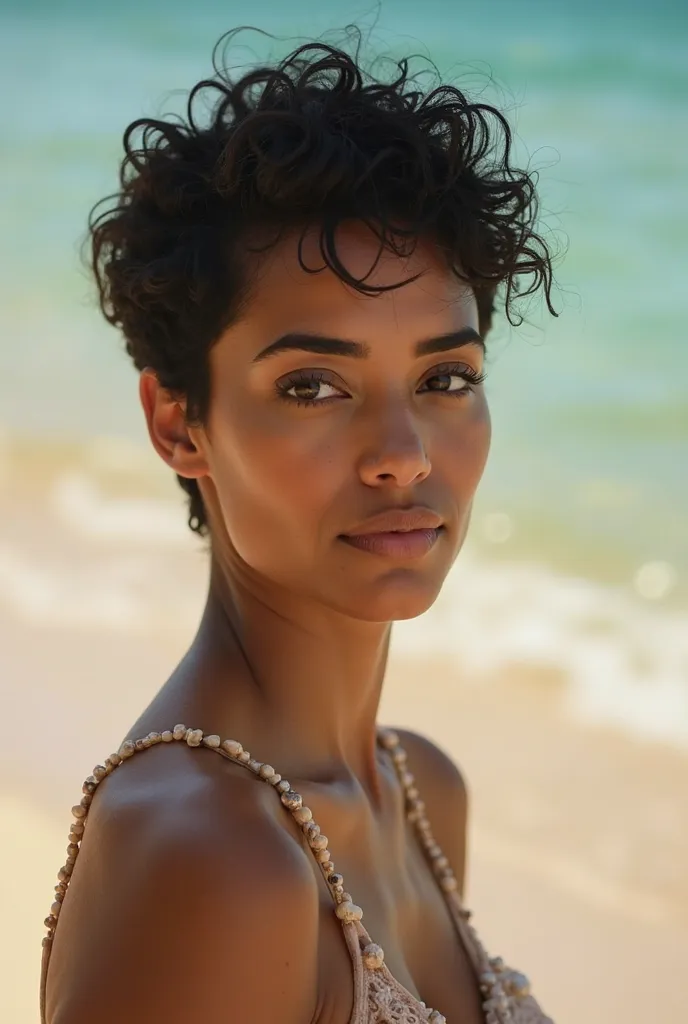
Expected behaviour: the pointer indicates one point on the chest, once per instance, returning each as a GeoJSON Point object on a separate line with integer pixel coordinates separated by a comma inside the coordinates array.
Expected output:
{"type": "Point", "coordinates": [406, 913]}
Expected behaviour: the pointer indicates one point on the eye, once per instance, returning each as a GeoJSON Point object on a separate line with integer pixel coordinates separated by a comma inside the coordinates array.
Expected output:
{"type": "Point", "coordinates": [308, 389]}
{"type": "Point", "coordinates": [454, 380]}
{"type": "Point", "coordinates": [311, 391]}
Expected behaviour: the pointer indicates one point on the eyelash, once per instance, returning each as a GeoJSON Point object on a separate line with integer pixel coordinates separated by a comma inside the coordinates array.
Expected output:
{"type": "Point", "coordinates": [283, 386]}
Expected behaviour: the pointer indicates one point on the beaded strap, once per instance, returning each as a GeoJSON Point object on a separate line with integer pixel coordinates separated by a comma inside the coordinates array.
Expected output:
{"type": "Point", "coordinates": [503, 988]}
{"type": "Point", "coordinates": [497, 982]}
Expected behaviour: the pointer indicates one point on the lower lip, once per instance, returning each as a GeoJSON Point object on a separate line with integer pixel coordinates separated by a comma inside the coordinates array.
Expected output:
{"type": "Point", "coordinates": [411, 544]}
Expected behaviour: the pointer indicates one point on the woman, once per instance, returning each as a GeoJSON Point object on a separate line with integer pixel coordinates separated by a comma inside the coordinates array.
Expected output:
{"type": "Point", "coordinates": [305, 282]}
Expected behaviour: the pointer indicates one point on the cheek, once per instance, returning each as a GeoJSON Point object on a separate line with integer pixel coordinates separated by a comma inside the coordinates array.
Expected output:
{"type": "Point", "coordinates": [463, 455]}
{"type": "Point", "coordinates": [275, 484]}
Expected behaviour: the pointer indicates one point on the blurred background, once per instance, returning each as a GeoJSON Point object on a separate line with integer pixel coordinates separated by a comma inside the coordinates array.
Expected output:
{"type": "Point", "coordinates": [554, 667]}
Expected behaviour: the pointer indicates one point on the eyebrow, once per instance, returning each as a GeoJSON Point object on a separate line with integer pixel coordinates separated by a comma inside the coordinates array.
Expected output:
{"type": "Point", "coordinates": [322, 344]}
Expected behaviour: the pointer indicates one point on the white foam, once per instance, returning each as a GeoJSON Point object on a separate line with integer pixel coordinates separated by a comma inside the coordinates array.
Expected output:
{"type": "Point", "coordinates": [625, 662]}
{"type": "Point", "coordinates": [47, 596]}
{"type": "Point", "coordinates": [77, 503]}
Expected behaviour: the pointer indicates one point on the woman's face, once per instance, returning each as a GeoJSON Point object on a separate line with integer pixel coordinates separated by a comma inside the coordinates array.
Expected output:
{"type": "Point", "coordinates": [330, 408]}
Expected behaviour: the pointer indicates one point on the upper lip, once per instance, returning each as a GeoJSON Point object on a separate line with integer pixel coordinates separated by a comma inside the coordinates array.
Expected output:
{"type": "Point", "coordinates": [398, 520]}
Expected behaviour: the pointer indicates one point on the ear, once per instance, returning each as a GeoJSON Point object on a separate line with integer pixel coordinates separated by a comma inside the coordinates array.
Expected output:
{"type": "Point", "coordinates": [177, 445]}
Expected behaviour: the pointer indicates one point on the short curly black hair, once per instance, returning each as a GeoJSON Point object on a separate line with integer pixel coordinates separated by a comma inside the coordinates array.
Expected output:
{"type": "Point", "coordinates": [312, 140]}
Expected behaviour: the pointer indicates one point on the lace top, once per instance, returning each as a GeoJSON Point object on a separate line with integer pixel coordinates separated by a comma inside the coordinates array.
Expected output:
{"type": "Point", "coordinates": [378, 997]}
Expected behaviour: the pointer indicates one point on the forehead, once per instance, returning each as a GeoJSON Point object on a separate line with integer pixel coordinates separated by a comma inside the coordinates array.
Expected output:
{"type": "Point", "coordinates": [287, 296]}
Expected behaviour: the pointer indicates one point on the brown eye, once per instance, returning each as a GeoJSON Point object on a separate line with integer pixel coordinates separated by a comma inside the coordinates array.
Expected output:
{"type": "Point", "coordinates": [455, 379]}
{"type": "Point", "coordinates": [307, 388]}
{"type": "Point", "coordinates": [305, 392]}
{"type": "Point", "coordinates": [312, 390]}
{"type": "Point", "coordinates": [440, 382]}
{"type": "Point", "coordinates": [453, 383]}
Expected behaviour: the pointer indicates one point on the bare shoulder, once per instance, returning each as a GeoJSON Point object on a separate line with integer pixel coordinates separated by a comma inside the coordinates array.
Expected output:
{"type": "Point", "coordinates": [439, 768]}
{"type": "Point", "coordinates": [444, 789]}
{"type": "Point", "coordinates": [187, 893]}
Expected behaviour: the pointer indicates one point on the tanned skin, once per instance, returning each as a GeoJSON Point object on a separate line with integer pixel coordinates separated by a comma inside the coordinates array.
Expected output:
{"type": "Point", "coordinates": [193, 898]}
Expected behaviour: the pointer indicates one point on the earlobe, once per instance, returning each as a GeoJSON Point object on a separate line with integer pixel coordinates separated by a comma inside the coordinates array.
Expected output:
{"type": "Point", "coordinates": [170, 435]}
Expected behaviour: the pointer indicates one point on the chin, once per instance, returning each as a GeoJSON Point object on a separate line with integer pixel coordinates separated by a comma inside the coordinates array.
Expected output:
{"type": "Point", "coordinates": [400, 595]}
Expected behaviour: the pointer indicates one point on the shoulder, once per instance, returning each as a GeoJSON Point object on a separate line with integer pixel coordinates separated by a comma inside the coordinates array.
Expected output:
{"type": "Point", "coordinates": [187, 890]}
{"type": "Point", "coordinates": [444, 789]}
{"type": "Point", "coordinates": [434, 768]}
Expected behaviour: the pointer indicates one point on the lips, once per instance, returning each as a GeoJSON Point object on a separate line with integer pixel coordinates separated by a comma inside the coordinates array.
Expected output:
{"type": "Point", "coordinates": [397, 533]}
{"type": "Point", "coordinates": [398, 520]}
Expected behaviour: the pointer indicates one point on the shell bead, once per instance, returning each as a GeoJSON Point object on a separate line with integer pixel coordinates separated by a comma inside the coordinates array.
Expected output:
{"type": "Point", "coordinates": [348, 912]}
{"type": "Point", "coordinates": [303, 815]}
{"type": "Point", "coordinates": [389, 739]}
{"type": "Point", "coordinates": [211, 741]}
{"type": "Point", "coordinates": [266, 771]}
{"type": "Point", "coordinates": [232, 747]}
{"type": "Point", "coordinates": [194, 737]}
{"type": "Point", "coordinates": [167, 736]}
{"type": "Point", "coordinates": [127, 749]}
{"type": "Point", "coordinates": [292, 800]}
{"type": "Point", "coordinates": [244, 757]}
{"type": "Point", "coordinates": [318, 842]}
{"type": "Point", "coordinates": [373, 956]}
{"type": "Point", "coordinates": [437, 1018]}
{"type": "Point", "coordinates": [179, 732]}
{"type": "Point", "coordinates": [517, 984]}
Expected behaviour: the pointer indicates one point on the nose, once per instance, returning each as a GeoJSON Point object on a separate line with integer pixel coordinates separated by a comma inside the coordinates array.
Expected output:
{"type": "Point", "coordinates": [395, 454]}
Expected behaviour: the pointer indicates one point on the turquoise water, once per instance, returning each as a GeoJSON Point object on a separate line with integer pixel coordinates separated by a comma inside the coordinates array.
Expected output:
{"type": "Point", "coordinates": [589, 471]}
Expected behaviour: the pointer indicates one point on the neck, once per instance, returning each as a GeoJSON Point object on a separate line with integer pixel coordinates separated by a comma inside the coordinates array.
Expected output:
{"type": "Point", "coordinates": [300, 681]}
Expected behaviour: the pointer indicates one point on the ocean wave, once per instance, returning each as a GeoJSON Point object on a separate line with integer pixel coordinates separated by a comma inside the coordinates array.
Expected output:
{"type": "Point", "coordinates": [624, 662]}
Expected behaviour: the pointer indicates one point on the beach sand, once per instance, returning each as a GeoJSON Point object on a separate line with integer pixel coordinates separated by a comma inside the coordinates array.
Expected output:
{"type": "Point", "coordinates": [578, 860]}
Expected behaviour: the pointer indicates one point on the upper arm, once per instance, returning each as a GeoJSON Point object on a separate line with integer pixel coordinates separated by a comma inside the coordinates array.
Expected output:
{"type": "Point", "coordinates": [179, 919]}
{"type": "Point", "coordinates": [444, 789]}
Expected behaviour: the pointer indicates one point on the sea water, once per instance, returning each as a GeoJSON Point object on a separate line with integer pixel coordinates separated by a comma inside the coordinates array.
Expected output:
{"type": "Point", "coordinates": [578, 553]}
